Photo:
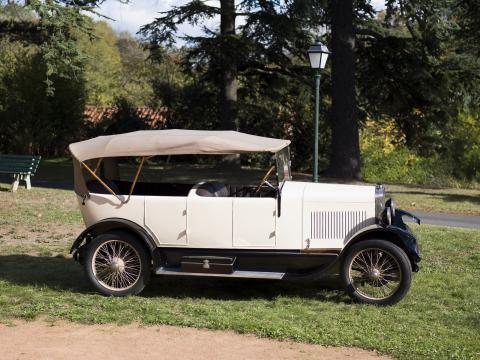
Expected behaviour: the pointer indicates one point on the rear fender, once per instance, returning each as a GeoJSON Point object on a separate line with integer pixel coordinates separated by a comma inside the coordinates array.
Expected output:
{"type": "Point", "coordinates": [108, 225]}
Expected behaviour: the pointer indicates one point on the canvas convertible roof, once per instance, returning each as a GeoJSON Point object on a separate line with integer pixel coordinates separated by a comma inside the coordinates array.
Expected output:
{"type": "Point", "coordinates": [174, 142]}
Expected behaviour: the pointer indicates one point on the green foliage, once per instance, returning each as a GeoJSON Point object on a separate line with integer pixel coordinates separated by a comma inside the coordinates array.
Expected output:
{"type": "Point", "coordinates": [103, 67]}
{"type": "Point", "coordinates": [31, 122]}
{"type": "Point", "coordinates": [116, 66]}
{"type": "Point", "coordinates": [464, 146]}
{"type": "Point", "coordinates": [53, 26]}
{"type": "Point", "coordinates": [401, 166]}
{"type": "Point", "coordinates": [386, 158]}
{"type": "Point", "coordinates": [274, 89]}
{"type": "Point", "coordinates": [137, 71]}
{"type": "Point", "coordinates": [417, 64]}
{"type": "Point", "coordinates": [281, 106]}
{"type": "Point", "coordinates": [417, 67]}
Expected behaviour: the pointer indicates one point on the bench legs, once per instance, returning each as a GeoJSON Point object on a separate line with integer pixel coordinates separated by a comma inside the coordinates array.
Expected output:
{"type": "Point", "coordinates": [28, 184]}
{"type": "Point", "coordinates": [16, 181]}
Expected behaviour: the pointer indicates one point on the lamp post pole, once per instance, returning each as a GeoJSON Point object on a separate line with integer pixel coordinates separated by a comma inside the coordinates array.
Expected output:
{"type": "Point", "coordinates": [317, 55]}
{"type": "Point", "coordinates": [317, 115]}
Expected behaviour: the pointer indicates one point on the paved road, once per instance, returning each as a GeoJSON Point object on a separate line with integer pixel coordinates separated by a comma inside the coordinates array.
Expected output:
{"type": "Point", "coordinates": [455, 220]}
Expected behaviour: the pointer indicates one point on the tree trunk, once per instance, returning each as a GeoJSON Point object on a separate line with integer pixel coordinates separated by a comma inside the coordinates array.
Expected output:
{"type": "Point", "coordinates": [228, 92]}
{"type": "Point", "coordinates": [345, 151]}
{"type": "Point", "coordinates": [227, 104]}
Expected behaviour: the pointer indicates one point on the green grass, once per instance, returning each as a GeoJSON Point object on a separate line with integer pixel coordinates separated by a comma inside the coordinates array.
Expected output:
{"type": "Point", "coordinates": [37, 206]}
{"type": "Point", "coordinates": [439, 318]}
{"type": "Point", "coordinates": [448, 200]}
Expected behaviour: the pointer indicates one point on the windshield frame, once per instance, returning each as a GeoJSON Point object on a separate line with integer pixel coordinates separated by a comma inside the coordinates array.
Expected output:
{"type": "Point", "coordinates": [284, 165]}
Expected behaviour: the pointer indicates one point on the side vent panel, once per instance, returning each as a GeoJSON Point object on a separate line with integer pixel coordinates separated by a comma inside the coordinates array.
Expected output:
{"type": "Point", "coordinates": [336, 224]}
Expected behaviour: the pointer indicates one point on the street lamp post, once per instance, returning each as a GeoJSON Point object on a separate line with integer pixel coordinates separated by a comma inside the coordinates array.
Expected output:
{"type": "Point", "coordinates": [317, 54]}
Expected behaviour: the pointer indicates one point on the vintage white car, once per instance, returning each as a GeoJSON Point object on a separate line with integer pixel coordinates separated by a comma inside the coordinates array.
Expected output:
{"type": "Point", "coordinates": [277, 229]}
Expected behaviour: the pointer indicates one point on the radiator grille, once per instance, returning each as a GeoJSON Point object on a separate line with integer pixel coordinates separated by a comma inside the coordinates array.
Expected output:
{"type": "Point", "coordinates": [336, 224]}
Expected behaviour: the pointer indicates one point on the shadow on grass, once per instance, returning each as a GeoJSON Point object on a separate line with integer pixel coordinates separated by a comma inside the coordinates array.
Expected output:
{"type": "Point", "coordinates": [64, 274]}
{"type": "Point", "coordinates": [57, 273]}
{"type": "Point", "coordinates": [444, 196]}
{"type": "Point", "coordinates": [459, 198]}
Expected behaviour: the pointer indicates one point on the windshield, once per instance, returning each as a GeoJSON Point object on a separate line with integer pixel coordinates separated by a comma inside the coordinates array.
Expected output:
{"type": "Point", "coordinates": [283, 165]}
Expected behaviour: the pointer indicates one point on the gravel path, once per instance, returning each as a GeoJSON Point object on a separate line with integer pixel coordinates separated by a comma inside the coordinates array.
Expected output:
{"type": "Point", "coordinates": [64, 340]}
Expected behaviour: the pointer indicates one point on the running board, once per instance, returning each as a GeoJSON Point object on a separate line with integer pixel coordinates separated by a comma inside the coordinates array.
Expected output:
{"type": "Point", "coordinates": [236, 274]}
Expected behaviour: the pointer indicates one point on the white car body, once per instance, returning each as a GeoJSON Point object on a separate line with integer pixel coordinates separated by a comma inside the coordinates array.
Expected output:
{"type": "Point", "coordinates": [313, 217]}
{"type": "Point", "coordinates": [207, 228]}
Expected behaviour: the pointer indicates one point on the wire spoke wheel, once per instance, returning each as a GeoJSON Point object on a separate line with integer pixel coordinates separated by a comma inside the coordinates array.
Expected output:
{"type": "Point", "coordinates": [116, 265]}
{"type": "Point", "coordinates": [375, 273]}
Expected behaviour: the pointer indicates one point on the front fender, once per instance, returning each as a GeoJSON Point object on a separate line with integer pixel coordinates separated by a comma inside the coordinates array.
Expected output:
{"type": "Point", "coordinates": [397, 232]}
{"type": "Point", "coordinates": [408, 240]}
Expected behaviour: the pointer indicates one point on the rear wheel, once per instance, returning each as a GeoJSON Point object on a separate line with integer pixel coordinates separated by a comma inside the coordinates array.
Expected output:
{"type": "Point", "coordinates": [376, 272]}
{"type": "Point", "coordinates": [117, 264]}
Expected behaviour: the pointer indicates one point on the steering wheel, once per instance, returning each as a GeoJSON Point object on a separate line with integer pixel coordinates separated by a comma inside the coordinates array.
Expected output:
{"type": "Point", "coordinates": [265, 178]}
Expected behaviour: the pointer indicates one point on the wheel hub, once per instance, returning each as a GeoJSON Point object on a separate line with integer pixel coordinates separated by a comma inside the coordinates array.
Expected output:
{"type": "Point", "coordinates": [374, 274]}
{"type": "Point", "coordinates": [117, 265]}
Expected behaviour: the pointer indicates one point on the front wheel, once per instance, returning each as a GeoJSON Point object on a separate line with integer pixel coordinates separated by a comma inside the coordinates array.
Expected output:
{"type": "Point", "coordinates": [376, 272]}
{"type": "Point", "coordinates": [117, 264]}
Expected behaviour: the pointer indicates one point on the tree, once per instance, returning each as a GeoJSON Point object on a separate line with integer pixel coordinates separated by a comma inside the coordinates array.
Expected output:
{"type": "Point", "coordinates": [102, 65]}
{"type": "Point", "coordinates": [242, 66]}
{"type": "Point", "coordinates": [163, 30]}
{"type": "Point", "coordinates": [53, 26]}
{"type": "Point", "coordinates": [137, 71]}
{"type": "Point", "coordinates": [228, 93]}
{"type": "Point", "coordinates": [270, 31]}
{"type": "Point", "coordinates": [345, 151]}
{"type": "Point", "coordinates": [31, 122]}
{"type": "Point", "coordinates": [429, 68]}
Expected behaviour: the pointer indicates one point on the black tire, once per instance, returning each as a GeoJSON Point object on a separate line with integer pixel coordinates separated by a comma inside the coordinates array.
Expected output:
{"type": "Point", "coordinates": [104, 273]}
{"type": "Point", "coordinates": [363, 282]}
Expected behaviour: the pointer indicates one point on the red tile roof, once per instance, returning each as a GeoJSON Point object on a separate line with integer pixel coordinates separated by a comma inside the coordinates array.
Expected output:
{"type": "Point", "coordinates": [153, 117]}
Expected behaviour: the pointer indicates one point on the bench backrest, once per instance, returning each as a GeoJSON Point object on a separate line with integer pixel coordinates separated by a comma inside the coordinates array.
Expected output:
{"type": "Point", "coordinates": [19, 164]}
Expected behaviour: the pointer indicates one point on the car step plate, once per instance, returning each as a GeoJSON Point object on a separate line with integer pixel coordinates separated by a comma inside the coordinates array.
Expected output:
{"type": "Point", "coordinates": [236, 274]}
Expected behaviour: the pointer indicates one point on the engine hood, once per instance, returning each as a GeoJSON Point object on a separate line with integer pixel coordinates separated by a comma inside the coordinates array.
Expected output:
{"type": "Point", "coordinates": [338, 193]}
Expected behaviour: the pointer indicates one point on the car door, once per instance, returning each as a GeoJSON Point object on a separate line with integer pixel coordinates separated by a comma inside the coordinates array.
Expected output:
{"type": "Point", "coordinates": [166, 217]}
{"type": "Point", "coordinates": [209, 221]}
{"type": "Point", "coordinates": [254, 221]}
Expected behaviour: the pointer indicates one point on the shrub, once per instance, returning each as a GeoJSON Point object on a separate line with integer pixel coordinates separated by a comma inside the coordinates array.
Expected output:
{"type": "Point", "coordinates": [386, 158]}
{"type": "Point", "coordinates": [464, 146]}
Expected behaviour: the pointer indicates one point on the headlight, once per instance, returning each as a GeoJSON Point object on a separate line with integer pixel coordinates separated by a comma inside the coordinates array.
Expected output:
{"type": "Point", "coordinates": [388, 216]}
{"type": "Point", "coordinates": [379, 201]}
{"type": "Point", "coordinates": [391, 204]}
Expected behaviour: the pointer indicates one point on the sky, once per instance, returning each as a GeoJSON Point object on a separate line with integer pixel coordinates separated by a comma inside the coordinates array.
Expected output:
{"type": "Point", "coordinates": [129, 17]}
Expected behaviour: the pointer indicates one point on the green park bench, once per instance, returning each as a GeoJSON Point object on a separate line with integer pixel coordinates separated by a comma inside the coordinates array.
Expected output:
{"type": "Point", "coordinates": [21, 167]}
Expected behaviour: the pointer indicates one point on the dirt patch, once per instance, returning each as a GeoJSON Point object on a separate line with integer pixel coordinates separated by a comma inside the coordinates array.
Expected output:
{"type": "Point", "coordinates": [30, 235]}
{"type": "Point", "coordinates": [64, 340]}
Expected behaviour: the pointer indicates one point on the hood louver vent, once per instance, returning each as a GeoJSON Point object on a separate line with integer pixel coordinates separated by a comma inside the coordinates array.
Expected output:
{"type": "Point", "coordinates": [336, 224]}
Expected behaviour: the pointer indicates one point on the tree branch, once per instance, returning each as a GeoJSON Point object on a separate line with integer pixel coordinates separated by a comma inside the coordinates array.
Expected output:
{"type": "Point", "coordinates": [23, 30]}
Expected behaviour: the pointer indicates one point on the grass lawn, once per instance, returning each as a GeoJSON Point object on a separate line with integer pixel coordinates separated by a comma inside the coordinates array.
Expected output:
{"type": "Point", "coordinates": [462, 201]}
{"type": "Point", "coordinates": [439, 318]}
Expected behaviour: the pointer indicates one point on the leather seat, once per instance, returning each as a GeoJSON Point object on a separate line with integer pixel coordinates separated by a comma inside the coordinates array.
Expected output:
{"type": "Point", "coordinates": [213, 189]}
